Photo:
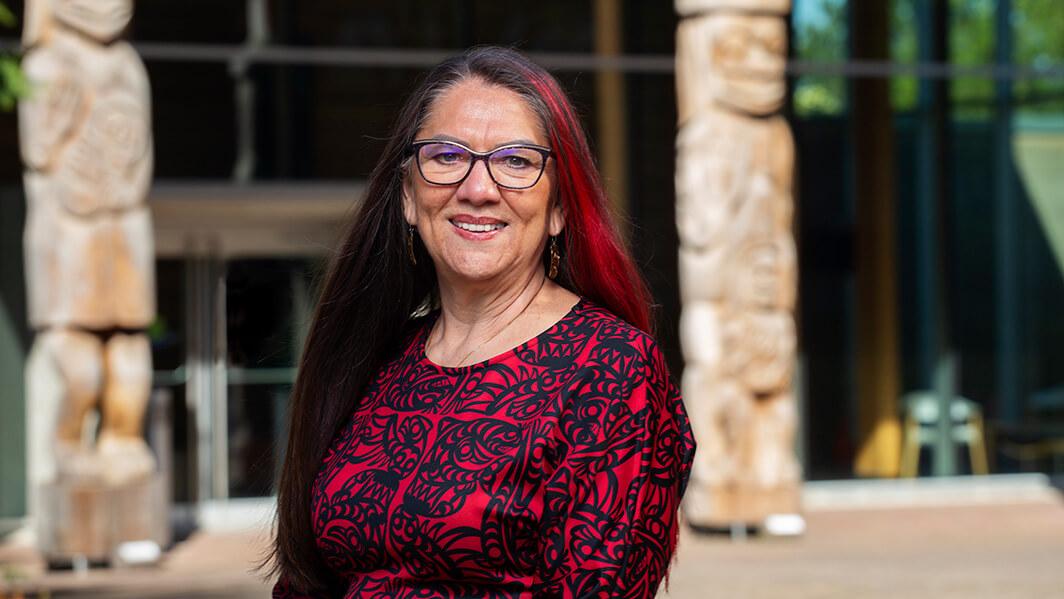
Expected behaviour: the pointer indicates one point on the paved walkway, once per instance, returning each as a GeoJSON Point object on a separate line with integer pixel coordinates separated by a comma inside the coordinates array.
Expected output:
{"type": "Point", "coordinates": [988, 552]}
{"type": "Point", "coordinates": [997, 551]}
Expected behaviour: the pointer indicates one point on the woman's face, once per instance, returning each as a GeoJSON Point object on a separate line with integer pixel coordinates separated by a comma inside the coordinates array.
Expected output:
{"type": "Point", "coordinates": [482, 117]}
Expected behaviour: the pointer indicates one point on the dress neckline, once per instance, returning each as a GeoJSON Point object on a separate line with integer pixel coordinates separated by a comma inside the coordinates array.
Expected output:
{"type": "Point", "coordinates": [524, 346]}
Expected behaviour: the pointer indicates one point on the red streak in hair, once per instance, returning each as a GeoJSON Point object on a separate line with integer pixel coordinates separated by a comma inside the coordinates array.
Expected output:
{"type": "Point", "coordinates": [600, 267]}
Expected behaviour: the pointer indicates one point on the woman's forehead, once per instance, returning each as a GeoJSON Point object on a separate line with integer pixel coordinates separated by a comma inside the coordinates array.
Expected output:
{"type": "Point", "coordinates": [482, 116]}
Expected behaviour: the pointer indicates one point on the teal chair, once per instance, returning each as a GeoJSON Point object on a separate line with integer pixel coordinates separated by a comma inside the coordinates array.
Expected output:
{"type": "Point", "coordinates": [920, 430]}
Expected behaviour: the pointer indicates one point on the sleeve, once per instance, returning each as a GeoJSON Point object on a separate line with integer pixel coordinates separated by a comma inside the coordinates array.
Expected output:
{"type": "Point", "coordinates": [623, 455]}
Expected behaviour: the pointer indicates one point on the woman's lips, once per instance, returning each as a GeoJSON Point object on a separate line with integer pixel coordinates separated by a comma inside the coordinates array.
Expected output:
{"type": "Point", "coordinates": [478, 229]}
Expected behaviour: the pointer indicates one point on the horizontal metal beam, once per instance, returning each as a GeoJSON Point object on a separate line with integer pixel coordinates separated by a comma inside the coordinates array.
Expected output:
{"type": "Point", "coordinates": [387, 57]}
{"type": "Point", "coordinates": [237, 55]}
{"type": "Point", "coordinates": [922, 70]}
{"type": "Point", "coordinates": [566, 61]}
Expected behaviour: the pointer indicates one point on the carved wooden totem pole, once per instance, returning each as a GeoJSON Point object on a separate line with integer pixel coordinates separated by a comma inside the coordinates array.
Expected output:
{"type": "Point", "coordinates": [85, 134]}
{"type": "Point", "coordinates": [737, 259]}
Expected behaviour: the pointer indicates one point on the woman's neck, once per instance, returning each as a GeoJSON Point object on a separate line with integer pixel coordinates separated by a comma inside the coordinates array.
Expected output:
{"type": "Point", "coordinates": [475, 324]}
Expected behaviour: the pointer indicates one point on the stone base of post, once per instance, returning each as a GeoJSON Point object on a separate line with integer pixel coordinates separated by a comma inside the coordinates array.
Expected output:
{"type": "Point", "coordinates": [91, 522]}
{"type": "Point", "coordinates": [720, 507]}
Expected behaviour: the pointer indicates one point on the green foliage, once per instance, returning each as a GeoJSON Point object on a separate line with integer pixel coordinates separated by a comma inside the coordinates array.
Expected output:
{"type": "Point", "coordinates": [1038, 42]}
{"type": "Point", "coordinates": [7, 18]}
{"type": "Point", "coordinates": [818, 95]}
{"type": "Point", "coordinates": [821, 37]}
{"type": "Point", "coordinates": [904, 48]}
{"type": "Point", "coordinates": [158, 328]}
{"type": "Point", "coordinates": [821, 34]}
{"type": "Point", "coordinates": [13, 84]}
{"type": "Point", "coordinates": [972, 42]}
{"type": "Point", "coordinates": [971, 31]}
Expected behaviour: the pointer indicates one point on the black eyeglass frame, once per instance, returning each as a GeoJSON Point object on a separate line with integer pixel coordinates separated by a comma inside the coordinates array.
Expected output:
{"type": "Point", "coordinates": [415, 148]}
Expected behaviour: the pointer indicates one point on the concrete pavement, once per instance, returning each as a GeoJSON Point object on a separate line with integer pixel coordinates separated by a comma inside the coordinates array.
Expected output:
{"type": "Point", "coordinates": [995, 551]}
{"type": "Point", "coordinates": [998, 552]}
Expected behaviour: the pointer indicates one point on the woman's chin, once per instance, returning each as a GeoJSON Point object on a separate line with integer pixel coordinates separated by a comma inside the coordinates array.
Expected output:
{"type": "Point", "coordinates": [479, 269]}
{"type": "Point", "coordinates": [476, 275]}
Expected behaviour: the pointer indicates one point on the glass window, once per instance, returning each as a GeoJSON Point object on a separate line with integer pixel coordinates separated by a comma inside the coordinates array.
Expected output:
{"type": "Point", "coordinates": [268, 303]}
{"type": "Point", "coordinates": [820, 31]}
{"type": "Point", "coordinates": [193, 120]}
{"type": "Point", "coordinates": [434, 25]}
{"type": "Point", "coordinates": [979, 197]}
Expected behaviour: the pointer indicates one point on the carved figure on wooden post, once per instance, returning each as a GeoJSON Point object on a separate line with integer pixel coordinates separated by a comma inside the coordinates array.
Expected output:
{"type": "Point", "coordinates": [738, 279]}
{"type": "Point", "coordinates": [85, 134]}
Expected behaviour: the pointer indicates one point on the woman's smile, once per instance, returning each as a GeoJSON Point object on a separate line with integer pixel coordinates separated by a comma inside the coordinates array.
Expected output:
{"type": "Point", "coordinates": [477, 228]}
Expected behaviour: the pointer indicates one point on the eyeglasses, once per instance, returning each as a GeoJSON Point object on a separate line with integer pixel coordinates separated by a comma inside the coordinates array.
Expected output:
{"type": "Point", "coordinates": [514, 166]}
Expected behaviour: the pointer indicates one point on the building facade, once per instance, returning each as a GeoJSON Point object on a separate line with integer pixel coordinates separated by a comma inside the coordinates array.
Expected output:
{"type": "Point", "coordinates": [929, 211]}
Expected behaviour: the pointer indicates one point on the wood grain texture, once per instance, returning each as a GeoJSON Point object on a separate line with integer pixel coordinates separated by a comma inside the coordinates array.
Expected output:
{"type": "Point", "coordinates": [738, 261]}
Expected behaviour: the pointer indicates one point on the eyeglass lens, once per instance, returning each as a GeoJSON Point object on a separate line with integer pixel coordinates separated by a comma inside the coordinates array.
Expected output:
{"type": "Point", "coordinates": [445, 164]}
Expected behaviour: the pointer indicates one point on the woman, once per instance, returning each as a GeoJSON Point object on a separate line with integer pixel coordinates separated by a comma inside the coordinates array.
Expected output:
{"type": "Point", "coordinates": [480, 411]}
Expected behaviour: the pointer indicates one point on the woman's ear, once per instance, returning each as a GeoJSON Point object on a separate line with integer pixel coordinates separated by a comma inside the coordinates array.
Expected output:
{"type": "Point", "coordinates": [556, 219]}
{"type": "Point", "coordinates": [409, 208]}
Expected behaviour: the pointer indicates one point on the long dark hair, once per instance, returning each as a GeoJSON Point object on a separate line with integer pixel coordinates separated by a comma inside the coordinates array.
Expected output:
{"type": "Point", "coordinates": [371, 290]}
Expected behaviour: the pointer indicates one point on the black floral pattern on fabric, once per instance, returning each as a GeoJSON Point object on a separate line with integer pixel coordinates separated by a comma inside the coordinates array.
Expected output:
{"type": "Point", "coordinates": [552, 470]}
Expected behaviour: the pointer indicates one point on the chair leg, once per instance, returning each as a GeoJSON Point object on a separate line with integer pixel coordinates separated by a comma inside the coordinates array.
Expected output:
{"type": "Point", "coordinates": [910, 453]}
{"type": "Point", "coordinates": [977, 448]}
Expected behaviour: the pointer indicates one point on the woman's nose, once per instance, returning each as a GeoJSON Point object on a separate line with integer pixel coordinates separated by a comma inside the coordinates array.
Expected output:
{"type": "Point", "coordinates": [479, 187]}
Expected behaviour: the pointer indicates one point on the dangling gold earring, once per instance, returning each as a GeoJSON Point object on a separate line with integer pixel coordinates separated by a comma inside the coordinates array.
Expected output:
{"type": "Point", "coordinates": [555, 257]}
{"type": "Point", "coordinates": [410, 244]}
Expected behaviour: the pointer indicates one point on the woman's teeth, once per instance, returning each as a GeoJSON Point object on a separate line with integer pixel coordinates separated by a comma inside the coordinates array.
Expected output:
{"type": "Point", "coordinates": [477, 228]}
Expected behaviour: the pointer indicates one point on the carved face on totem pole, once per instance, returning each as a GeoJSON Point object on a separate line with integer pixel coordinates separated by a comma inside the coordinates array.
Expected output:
{"type": "Point", "coordinates": [733, 61]}
{"type": "Point", "coordinates": [109, 163]}
{"type": "Point", "coordinates": [101, 20]}
{"type": "Point", "coordinates": [759, 336]}
{"type": "Point", "coordinates": [762, 265]}
{"type": "Point", "coordinates": [693, 7]}
{"type": "Point", "coordinates": [759, 348]}
{"type": "Point", "coordinates": [766, 282]}
{"type": "Point", "coordinates": [737, 259]}
{"type": "Point", "coordinates": [85, 135]}
{"type": "Point", "coordinates": [708, 187]}
{"type": "Point", "coordinates": [88, 123]}
{"type": "Point", "coordinates": [748, 54]}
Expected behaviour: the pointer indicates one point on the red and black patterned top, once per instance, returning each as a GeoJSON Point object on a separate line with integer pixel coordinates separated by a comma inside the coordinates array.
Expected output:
{"type": "Point", "coordinates": [552, 470]}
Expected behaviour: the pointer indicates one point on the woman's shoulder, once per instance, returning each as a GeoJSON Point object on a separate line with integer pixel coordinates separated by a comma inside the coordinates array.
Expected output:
{"type": "Point", "coordinates": [616, 350]}
{"type": "Point", "coordinates": [623, 384]}
{"type": "Point", "coordinates": [613, 331]}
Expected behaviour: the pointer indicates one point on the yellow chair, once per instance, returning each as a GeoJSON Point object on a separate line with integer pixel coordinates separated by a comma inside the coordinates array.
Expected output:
{"type": "Point", "coordinates": [920, 429]}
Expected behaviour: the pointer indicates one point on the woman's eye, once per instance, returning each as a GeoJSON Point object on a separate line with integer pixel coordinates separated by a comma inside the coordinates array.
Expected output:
{"type": "Point", "coordinates": [447, 157]}
{"type": "Point", "coordinates": [514, 160]}
{"type": "Point", "coordinates": [517, 162]}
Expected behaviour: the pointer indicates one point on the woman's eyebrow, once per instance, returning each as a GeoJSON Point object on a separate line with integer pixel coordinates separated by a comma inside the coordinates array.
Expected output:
{"type": "Point", "coordinates": [445, 137]}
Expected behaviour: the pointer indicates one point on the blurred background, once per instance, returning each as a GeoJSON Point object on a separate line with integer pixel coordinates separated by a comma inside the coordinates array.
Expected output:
{"type": "Point", "coordinates": [268, 116]}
